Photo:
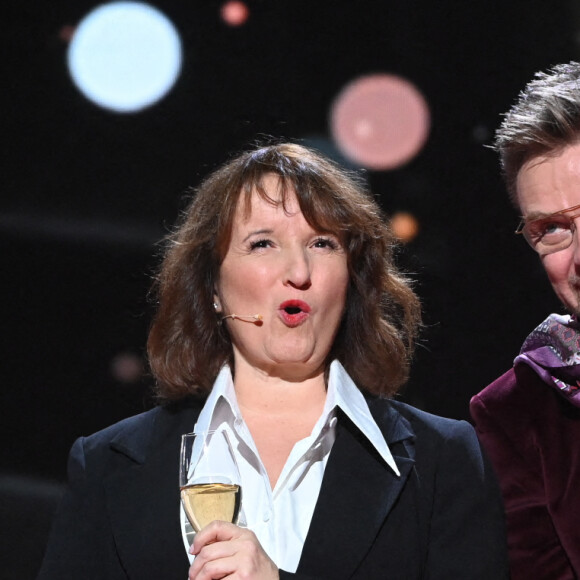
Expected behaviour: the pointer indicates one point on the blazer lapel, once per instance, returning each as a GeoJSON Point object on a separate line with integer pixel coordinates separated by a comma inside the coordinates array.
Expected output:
{"type": "Point", "coordinates": [357, 493]}
{"type": "Point", "coordinates": [143, 497]}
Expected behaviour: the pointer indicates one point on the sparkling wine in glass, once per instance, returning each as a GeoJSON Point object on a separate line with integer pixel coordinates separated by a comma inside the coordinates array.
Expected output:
{"type": "Point", "coordinates": [209, 479]}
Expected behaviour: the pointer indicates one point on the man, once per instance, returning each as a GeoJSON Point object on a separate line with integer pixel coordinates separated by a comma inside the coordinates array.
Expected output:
{"type": "Point", "coordinates": [529, 419]}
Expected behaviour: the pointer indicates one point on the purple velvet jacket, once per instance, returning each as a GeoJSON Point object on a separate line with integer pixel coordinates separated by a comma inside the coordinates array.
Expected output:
{"type": "Point", "coordinates": [532, 436]}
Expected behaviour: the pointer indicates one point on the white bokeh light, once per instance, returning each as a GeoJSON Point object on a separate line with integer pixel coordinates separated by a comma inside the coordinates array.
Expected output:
{"type": "Point", "coordinates": [125, 56]}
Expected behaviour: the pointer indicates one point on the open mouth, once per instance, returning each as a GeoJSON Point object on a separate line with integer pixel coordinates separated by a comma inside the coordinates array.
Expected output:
{"type": "Point", "coordinates": [294, 312]}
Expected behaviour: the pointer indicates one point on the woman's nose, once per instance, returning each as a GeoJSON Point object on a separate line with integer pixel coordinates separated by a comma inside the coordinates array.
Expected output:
{"type": "Point", "coordinates": [297, 269]}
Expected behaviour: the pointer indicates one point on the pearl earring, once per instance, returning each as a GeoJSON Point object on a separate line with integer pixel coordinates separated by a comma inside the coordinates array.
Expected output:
{"type": "Point", "coordinates": [215, 305]}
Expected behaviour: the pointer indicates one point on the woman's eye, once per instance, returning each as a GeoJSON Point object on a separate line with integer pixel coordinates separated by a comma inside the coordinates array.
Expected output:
{"type": "Point", "coordinates": [257, 244]}
{"type": "Point", "coordinates": [326, 243]}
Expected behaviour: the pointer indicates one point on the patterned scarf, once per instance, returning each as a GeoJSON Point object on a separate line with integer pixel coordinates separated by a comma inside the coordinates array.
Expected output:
{"type": "Point", "coordinates": [553, 351]}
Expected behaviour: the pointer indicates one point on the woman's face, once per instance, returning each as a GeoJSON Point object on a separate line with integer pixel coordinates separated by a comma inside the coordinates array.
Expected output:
{"type": "Point", "coordinates": [293, 276]}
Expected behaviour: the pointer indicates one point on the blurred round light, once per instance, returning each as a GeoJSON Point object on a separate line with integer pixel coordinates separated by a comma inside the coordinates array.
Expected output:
{"type": "Point", "coordinates": [125, 56]}
{"type": "Point", "coordinates": [405, 226]}
{"type": "Point", "coordinates": [235, 13]}
{"type": "Point", "coordinates": [380, 121]}
{"type": "Point", "coordinates": [127, 367]}
{"type": "Point", "coordinates": [66, 33]}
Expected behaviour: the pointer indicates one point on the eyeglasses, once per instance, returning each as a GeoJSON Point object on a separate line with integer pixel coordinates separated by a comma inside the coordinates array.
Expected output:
{"type": "Point", "coordinates": [551, 233]}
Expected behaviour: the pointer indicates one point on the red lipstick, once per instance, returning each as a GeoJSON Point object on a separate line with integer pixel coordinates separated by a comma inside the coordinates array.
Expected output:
{"type": "Point", "coordinates": [293, 312]}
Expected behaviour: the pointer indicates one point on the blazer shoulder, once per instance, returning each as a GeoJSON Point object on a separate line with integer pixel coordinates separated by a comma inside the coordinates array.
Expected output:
{"type": "Point", "coordinates": [426, 420]}
{"type": "Point", "coordinates": [519, 391]}
{"type": "Point", "coordinates": [135, 435]}
{"type": "Point", "coordinates": [140, 424]}
{"type": "Point", "coordinates": [439, 442]}
{"type": "Point", "coordinates": [419, 422]}
{"type": "Point", "coordinates": [503, 387]}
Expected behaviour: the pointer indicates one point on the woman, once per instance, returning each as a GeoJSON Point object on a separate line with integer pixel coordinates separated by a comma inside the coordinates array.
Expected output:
{"type": "Point", "coordinates": [282, 315]}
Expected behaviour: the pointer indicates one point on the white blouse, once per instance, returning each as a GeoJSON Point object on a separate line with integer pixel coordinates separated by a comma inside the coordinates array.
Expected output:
{"type": "Point", "coordinates": [280, 517]}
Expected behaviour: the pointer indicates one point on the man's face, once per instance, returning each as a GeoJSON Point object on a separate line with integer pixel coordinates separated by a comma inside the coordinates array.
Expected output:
{"type": "Point", "coordinates": [547, 184]}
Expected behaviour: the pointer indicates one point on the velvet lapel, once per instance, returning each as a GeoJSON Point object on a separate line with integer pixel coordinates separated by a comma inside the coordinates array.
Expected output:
{"type": "Point", "coordinates": [358, 491]}
{"type": "Point", "coordinates": [143, 496]}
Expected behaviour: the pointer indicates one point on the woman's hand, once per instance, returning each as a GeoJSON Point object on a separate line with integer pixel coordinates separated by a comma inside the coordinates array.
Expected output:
{"type": "Point", "coordinates": [224, 550]}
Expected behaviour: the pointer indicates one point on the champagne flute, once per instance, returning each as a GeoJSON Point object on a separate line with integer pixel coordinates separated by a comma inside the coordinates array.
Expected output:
{"type": "Point", "coordinates": [209, 479]}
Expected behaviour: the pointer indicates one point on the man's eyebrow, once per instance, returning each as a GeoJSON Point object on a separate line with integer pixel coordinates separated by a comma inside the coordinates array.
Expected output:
{"type": "Point", "coordinates": [537, 215]}
{"type": "Point", "coordinates": [540, 215]}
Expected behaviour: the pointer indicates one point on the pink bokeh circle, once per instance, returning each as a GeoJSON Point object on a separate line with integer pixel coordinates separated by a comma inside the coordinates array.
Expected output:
{"type": "Point", "coordinates": [127, 367]}
{"type": "Point", "coordinates": [235, 13]}
{"type": "Point", "coordinates": [380, 121]}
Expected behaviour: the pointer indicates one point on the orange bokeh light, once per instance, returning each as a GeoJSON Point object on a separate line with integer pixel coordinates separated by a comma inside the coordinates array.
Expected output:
{"type": "Point", "coordinates": [405, 226]}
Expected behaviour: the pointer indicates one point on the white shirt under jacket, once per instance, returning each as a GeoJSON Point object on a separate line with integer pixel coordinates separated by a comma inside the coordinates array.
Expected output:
{"type": "Point", "coordinates": [280, 517]}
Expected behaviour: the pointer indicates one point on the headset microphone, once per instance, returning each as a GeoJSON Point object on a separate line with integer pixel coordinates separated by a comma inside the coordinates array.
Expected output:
{"type": "Point", "coordinates": [248, 317]}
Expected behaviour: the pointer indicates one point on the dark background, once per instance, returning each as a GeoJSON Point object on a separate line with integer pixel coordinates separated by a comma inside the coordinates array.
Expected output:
{"type": "Point", "coordinates": [87, 193]}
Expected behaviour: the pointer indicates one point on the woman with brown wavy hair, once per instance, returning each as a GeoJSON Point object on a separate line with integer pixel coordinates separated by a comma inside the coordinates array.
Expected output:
{"type": "Point", "coordinates": [375, 339]}
{"type": "Point", "coordinates": [283, 319]}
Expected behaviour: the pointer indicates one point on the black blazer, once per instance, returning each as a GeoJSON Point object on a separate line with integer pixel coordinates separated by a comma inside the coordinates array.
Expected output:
{"type": "Point", "coordinates": [441, 519]}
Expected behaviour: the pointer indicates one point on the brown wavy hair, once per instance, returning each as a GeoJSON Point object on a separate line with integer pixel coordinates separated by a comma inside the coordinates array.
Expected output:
{"type": "Point", "coordinates": [187, 346]}
{"type": "Point", "coordinates": [544, 119]}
